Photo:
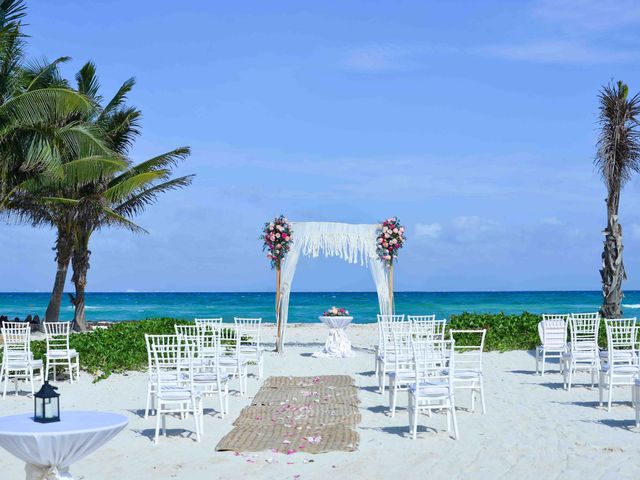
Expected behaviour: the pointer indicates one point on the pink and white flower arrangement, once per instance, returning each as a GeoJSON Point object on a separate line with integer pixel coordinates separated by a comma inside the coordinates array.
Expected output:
{"type": "Point", "coordinates": [277, 240]}
{"type": "Point", "coordinates": [390, 239]}
{"type": "Point", "coordinates": [336, 312]}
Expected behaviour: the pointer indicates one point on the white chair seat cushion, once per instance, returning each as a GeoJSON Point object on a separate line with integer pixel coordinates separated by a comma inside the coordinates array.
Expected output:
{"type": "Point", "coordinates": [622, 369]}
{"type": "Point", "coordinates": [177, 394]}
{"type": "Point", "coordinates": [209, 377]}
{"type": "Point", "coordinates": [21, 364]}
{"type": "Point", "coordinates": [165, 377]}
{"type": "Point", "coordinates": [231, 361]}
{"type": "Point", "coordinates": [62, 353]}
{"type": "Point", "coordinates": [430, 389]}
{"type": "Point", "coordinates": [402, 374]}
{"type": "Point", "coordinates": [467, 374]}
{"type": "Point", "coordinates": [637, 382]}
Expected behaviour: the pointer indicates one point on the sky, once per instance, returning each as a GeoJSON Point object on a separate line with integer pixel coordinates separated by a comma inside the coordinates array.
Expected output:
{"type": "Point", "coordinates": [473, 122]}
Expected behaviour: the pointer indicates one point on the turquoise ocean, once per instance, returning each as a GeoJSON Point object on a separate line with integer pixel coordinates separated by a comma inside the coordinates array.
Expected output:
{"type": "Point", "coordinates": [305, 306]}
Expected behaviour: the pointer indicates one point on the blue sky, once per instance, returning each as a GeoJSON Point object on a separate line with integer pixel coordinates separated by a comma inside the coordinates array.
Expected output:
{"type": "Point", "coordinates": [474, 122]}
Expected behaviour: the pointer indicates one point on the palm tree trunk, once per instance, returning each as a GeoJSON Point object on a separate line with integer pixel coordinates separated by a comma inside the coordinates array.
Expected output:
{"type": "Point", "coordinates": [64, 249]}
{"type": "Point", "coordinates": [80, 263]}
{"type": "Point", "coordinates": [612, 271]}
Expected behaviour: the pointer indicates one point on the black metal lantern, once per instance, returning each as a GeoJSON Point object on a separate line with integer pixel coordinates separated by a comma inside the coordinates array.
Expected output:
{"type": "Point", "coordinates": [46, 407]}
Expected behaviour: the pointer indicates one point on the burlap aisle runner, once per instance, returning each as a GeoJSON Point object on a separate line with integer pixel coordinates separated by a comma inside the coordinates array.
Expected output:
{"type": "Point", "coordinates": [298, 414]}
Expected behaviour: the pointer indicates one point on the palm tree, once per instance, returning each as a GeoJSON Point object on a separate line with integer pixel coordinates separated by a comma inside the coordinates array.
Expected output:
{"type": "Point", "coordinates": [115, 200]}
{"type": "Point", "coordinates": [35, 108]}
{"type": "Point", "coordinates": [115, 203]}
{"type": "Point", "coordinates": [617, 158]}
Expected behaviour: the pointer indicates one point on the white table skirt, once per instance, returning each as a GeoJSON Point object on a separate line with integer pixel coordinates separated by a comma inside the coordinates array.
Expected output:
{"type": "Point", "coordinates": [337, 344]}
{"type": "Point", "coordinates": [49, 449]}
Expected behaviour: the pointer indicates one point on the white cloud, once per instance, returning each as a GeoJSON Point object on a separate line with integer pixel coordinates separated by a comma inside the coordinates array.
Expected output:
{"type": "Point", "coordinates": [428, 230]}
{"type": "Point", "coordinates": [590, 15]}
{"type": "Point", "coordinates": [559, 51]}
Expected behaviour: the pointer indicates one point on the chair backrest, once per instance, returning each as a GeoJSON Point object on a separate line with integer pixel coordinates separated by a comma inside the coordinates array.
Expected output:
{"type": "Point", "coordinates": [16, 338]}
{"type": "Point", "coordinates": [468, 353]}
{"type": "Point", "coordinates": [620, 322]}
{"type": "Point", "coordinates": [170, 358]}
{"type": "Point", "coordinates": [556, 316]}
{"type": "Point", "coordinates": [230, 337]}
{"type": "Point", "coordinates": [208, 323]}
{"type": "Point", "coordinates": [57, 335]}
{"type": "Point", "coordinates": [622, 343]}
{"type": "Point", "coordinates": [428, 326]}
{"type": "Point", "coordinates": [250, 330]}
{"type": "Point", "coordinates": [402, 351]}
{"type": "Point", "coordinates": [553, 332]}
{"type": "Point", "coordinates": [421, 318]}
{"type": "Point", "coordinates": [384, 332]}
{"type": "Point", "coordinates": [584, 329]}
{"type": "Point", "coordinates": [430, 358]}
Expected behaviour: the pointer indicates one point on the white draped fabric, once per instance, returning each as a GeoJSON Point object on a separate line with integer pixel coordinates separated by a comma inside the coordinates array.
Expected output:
{"type": "Point", "coordinates": [49, 449]}
{"type": "Point", "coordinates": [353, 243]}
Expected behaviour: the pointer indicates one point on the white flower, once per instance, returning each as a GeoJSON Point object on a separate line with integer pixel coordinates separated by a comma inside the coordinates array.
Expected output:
{"type": "Point", "coordinates": [395, 230]}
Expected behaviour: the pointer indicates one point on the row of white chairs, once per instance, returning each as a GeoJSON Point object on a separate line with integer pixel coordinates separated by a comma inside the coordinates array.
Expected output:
{"type": "Point", "coordinates": [618, 365]}
{"type": "Point", "coordinates": [200, 360]}
{"type": "Point", "coordinates": [18, 363]}
{"type": "Point", "coordinates": [413, 353]}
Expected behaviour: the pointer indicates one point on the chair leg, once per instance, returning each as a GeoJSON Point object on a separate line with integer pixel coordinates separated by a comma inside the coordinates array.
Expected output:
{"type": "Point", "coordinates": [544, 361]}
{"type": "Point", "coordinates": [610, 392]}
{"type": "Point", "coordinates": [47, 369]}
{"type": "Point", "coordinates": [221, 398]}
{"type": "Point", "coordinates": [158, 414]}
{"type": "Point", "coordinates": [484, 411]}
{"type": "Point", "coordinates": [5, 378]}
{"type": "Point", "coordinates": [600, 387]}
{"type": "Point", "coordinates": [194, 405]}
{"type": "Point", "coordinates": [146, 410]}
{"type": "Point", "coordinates": [70, 370]}
{"type": "Point", "coordinates": [537, 360]}
{"type": "Point", "coordinates": [455, 421]}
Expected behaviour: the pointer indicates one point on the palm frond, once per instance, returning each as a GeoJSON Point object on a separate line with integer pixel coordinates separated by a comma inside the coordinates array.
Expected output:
{"type": "Point", "coordinates": [45, 106]}
{"type": "Point", "coordinates": [11, 12]}
{"type": "Point", "coordinates": [128, 186]}
{"type": "Point", "coordinates": [160, 162]}
{"type": "Point", "coordinates": [618, 147]}
{"type": "Point", "coordinates": [134, 205]}
{"type": "Point", "coordinates": [121, 129]}
{"type": "Point", "coordinates": [42, 74]}
{"type": "Point", "coordinates": [115, 219]}
{"type": "Point", "coordinates": [88, 83]}
{"type": "Point", "coordinates": [118, 99]}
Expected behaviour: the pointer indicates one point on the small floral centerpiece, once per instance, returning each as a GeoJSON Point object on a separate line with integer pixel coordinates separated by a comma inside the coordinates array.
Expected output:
{"type": "Point", "coordinates": [277, 240]}
{"type": "Point", "coordinates": [390, 239]}
{"type": "Point", "coordinates": [336, 312]}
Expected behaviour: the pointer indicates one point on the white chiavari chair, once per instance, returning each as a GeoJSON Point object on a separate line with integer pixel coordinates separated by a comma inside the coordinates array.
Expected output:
{"type": "Point", "coordinates": [433, 387]}
{"type": "Point", "coordinates": [250, 342]}
{"type": "Point", "coordinates": [59, 353]}
{"type": "Point", "coordinates": [552, 331]}
{"type": "Point", "coordinates": [468, 374]}
{"type": "Point", "coordinates": [384, 350]}
{"type": "Point", "coordinates": [583, 354]}
{"type": "Point", "coordinates": [18, 363]}
{"type": "Point", "coordinates": [621, 367]}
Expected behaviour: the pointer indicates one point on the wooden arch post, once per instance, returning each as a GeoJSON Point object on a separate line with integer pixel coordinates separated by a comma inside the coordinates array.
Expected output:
{"type": "Point", "coordinates": [278, 316]}
{"type": "Point", "coordinates": [391, 304]}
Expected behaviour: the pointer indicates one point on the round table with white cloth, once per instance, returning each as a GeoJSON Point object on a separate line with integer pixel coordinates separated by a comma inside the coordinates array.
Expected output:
{"type": "Point", "coordinates": [49, 449]}
{"type": "Point", "coordinates": [337, 344]}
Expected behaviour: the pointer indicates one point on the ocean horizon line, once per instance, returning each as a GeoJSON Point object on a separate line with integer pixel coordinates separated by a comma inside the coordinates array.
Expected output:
{"type": "Point", "coordinates": [227, 292]}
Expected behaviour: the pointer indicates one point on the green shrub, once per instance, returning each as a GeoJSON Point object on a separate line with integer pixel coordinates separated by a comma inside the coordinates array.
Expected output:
{"type": "Point", "coordinates": [504, 332]}
{"type": "Point", "coordinates": [116, 349]}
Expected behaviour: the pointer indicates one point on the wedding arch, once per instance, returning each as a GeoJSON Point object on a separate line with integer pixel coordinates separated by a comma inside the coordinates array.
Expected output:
{"type": "Point", "coordinates": [352, 243]}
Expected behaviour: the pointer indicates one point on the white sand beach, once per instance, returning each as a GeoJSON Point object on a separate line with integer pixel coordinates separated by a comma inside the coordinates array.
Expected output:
{"type": "Point", "coordinates": [532, 429]}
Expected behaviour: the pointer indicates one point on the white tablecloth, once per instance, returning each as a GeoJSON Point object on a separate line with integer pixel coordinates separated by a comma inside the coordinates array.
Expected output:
{"type": "Point", "coordinates": [49, 449]}
{"type": "Point", "coordinates": [337, 344]}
